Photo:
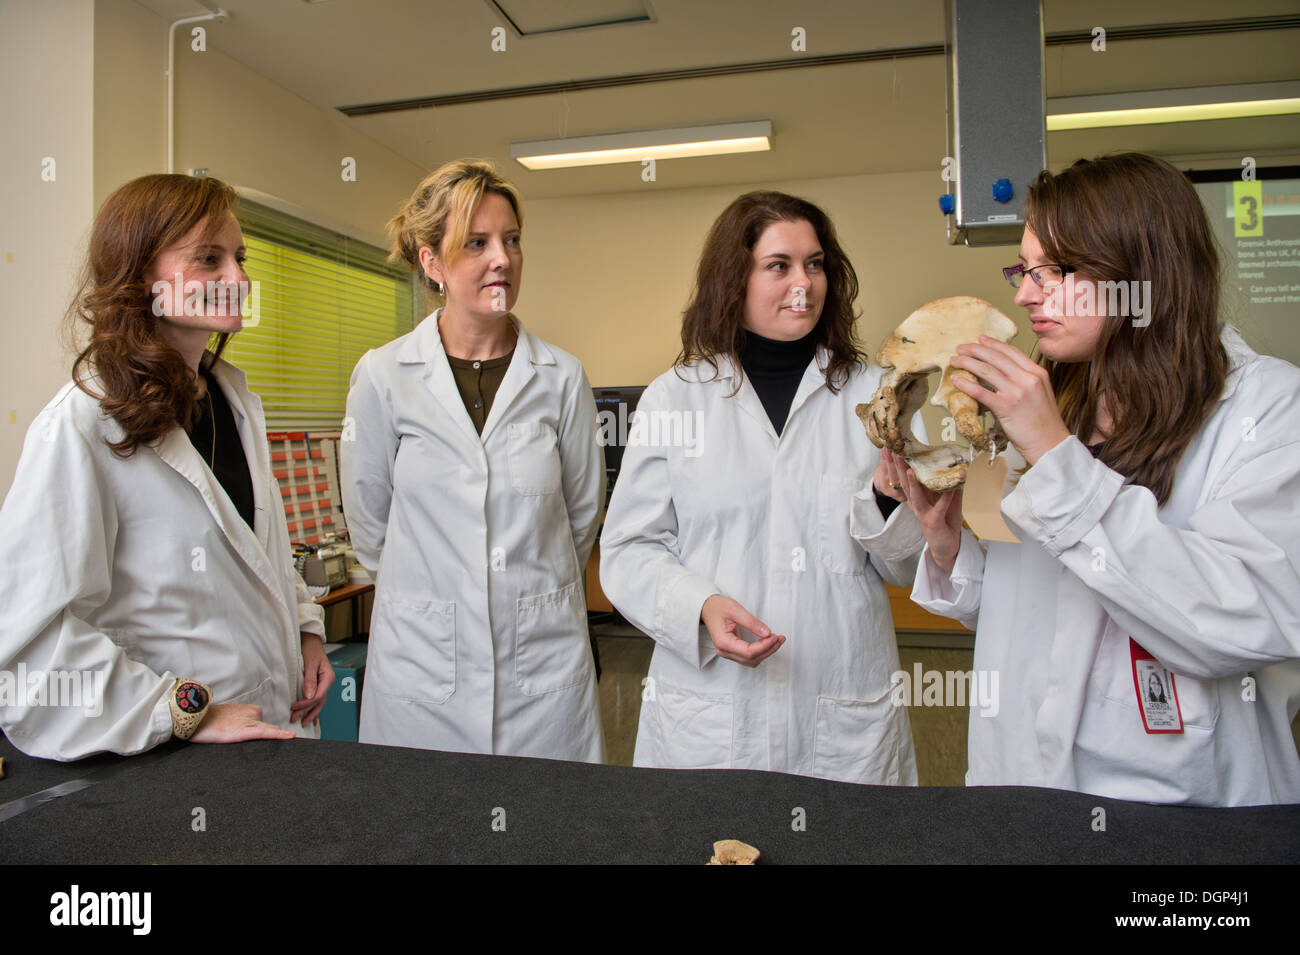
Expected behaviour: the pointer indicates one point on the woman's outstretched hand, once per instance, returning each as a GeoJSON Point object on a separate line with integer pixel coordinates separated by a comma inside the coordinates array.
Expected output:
{"type": "Point", "coordinates": [236, 723]}
{"type": "Point", "coordinates": [724, 619]}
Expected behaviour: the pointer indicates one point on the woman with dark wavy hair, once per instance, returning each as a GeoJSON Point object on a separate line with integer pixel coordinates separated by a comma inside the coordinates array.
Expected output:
{"type": "Point", "coordinates": [149, 585]}
{"type": "Point", "coordinates": [1159, 515]}
{"type": "Point", "coordinates": [727, 538]}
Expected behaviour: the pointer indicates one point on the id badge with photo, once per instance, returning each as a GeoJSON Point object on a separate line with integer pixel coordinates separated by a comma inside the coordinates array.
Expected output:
{"type": "Point", "coordinates": [1156, 693]}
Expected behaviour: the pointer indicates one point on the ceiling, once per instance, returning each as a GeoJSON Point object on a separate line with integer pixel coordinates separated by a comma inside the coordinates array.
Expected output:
{"type": "Point", "coordinates": [881, 115]}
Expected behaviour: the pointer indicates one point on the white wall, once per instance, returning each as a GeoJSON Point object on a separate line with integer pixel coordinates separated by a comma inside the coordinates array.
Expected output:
{"type": "Point", "coordinates": [607, 277]}
{"type": "Point", "coordinates": [84, 81]}
{"type": "Point", "coordinates": [46, 110]}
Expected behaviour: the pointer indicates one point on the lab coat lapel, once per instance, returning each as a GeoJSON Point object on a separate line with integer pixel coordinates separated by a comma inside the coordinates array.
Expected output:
{"type": "Point", "coordinates": [424, 347]}
{"type": "Point", "coordinates": [529, 351]}
{"type": "Point", "coordinates": [439, 380]}
{"type": "Point", "coordinates": [250, 420]}
{"type": "Point", "coordinates": [814, 378]}
{"type": "Point", "coordinates": [746, 398]}
{"type": "Point", "coordinates": [179, 454]}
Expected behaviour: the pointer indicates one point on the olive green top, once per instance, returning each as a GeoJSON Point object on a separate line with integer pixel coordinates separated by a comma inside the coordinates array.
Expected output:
{"type": "Point", "coordinates": [477, 382]}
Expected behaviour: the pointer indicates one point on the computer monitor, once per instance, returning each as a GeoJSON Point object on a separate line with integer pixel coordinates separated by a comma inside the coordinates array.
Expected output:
{"type": "Point", "coordinates": [614, 409]}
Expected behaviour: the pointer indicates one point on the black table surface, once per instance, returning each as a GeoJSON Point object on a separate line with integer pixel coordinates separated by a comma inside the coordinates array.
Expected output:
{"type": "Point", "coordinates": [329, 802]}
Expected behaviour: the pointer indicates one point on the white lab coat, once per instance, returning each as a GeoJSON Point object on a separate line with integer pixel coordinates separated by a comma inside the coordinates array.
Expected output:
{"type": "Point", "coordinates": [763, 520]}
{"type": "Point", "coordinates": [140, 571]}
{"type": "Point", "coordinates": [1207, 583]}
{"type": "Point", "coordinates": [478, 640]}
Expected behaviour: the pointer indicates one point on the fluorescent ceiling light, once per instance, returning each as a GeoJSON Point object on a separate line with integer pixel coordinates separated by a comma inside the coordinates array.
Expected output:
{"type": "Point", "coordinates": [1173, 106]}
{"type": "Point", "coordinates": [650, 144]}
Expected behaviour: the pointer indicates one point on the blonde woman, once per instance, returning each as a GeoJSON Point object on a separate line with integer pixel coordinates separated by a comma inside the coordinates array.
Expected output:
{"type": "Point", "coordinates": [472, 491]}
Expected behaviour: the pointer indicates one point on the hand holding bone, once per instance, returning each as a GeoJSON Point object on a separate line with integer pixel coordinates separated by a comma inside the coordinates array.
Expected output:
{"type": "Point", "coordinates": [926, 342]}
{"type": "Point", "coordinates": [1023, 401]}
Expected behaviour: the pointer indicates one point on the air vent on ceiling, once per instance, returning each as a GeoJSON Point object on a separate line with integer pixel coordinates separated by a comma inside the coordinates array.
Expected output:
{"type": "Point", "coordinates": [529, 18]}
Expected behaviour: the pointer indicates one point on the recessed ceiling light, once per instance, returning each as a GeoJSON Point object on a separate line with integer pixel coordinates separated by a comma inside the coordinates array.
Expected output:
{"type": "Point", "coordinates": [1173, 106]}
{"type": "Point", "coordinates": [649, 144]}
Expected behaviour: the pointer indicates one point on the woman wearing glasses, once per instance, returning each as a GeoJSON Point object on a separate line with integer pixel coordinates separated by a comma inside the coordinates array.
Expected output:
{"type": "Point", "coordinates": [1158, 511]}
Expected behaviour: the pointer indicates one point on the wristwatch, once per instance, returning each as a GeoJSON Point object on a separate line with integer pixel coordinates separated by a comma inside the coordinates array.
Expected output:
{"type": "Point", "coordinates": [189, 704]}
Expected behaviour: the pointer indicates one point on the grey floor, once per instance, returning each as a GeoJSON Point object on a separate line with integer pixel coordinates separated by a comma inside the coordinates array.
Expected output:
{"type": "Point", "coordinates": [624, 662]}
{"type": "Point", "coordinates": [939, 732]}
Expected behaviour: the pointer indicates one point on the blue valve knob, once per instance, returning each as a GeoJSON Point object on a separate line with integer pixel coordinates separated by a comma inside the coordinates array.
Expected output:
{"type": "Point", "coordinates": [947, 204]}
{"type": "Point", "coordinates": [1002, 190]}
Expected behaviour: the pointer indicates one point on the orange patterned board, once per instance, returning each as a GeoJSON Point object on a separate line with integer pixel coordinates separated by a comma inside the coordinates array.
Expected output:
{"type": "Point", "coordinates": [908, 616]}
{"type": "Point", "coordinates": [596, 599]}
{"type": "Point", "coordinates": [309, 499]}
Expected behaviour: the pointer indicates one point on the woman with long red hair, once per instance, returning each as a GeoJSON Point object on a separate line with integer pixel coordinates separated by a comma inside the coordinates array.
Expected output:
{"type": "Point", "coordinates": [149, 585]}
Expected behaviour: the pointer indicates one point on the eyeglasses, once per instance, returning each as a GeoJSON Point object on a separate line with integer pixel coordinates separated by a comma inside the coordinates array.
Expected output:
{"type": "Point", "coordinates": [1048, 277]}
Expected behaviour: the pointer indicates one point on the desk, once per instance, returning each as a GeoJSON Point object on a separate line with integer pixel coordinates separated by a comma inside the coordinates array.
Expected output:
{"type": "Point", "coordinates": [352, 591]}
{"type": "Point", "coordinates": [388, 804]}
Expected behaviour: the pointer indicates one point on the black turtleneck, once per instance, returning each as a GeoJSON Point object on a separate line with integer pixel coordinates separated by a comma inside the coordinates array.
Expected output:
{"type": "Point", "coordinates": [775, 370]}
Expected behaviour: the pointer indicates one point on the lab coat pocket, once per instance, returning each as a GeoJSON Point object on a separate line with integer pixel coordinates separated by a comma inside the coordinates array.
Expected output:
{"type": "Point", "coordinates": [863, 741]}
{"type": "Point", "coordinates": [693, 730]}
{"type": "Point", "coordinates": [534, 458]}
{"type": "Point", "coordinates": [552, 647]}
{"type": "Point", "coordinates": [1115, 755]}
{"type": "Point", "coordinates": [840, 553]}
{"type": "Point", "coordinates": [1112, 676]}
{"type": "Point", "coordinates": [413, 648]}
{"type": "Point", "coordinates": [255, 697]}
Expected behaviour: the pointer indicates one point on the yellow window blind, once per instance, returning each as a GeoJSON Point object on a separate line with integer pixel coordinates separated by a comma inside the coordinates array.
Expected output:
{"type": "Point", "coordinates": [324, 299]}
